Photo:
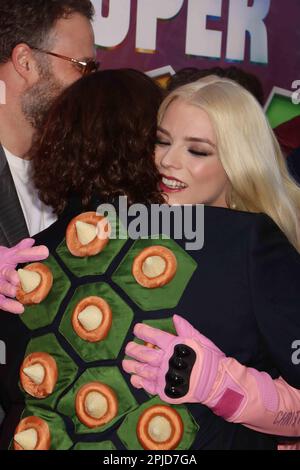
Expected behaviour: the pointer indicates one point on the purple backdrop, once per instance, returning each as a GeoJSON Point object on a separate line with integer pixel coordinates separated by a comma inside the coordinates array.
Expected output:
{"type": "Point", "coordinates": [283, 32]}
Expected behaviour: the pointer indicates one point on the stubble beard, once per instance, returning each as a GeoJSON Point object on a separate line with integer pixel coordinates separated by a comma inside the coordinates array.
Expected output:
{"type": "Point", "coordinates": [37, 100]}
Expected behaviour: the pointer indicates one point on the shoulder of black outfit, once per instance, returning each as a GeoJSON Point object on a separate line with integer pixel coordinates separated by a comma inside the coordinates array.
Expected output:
{"type": "Point", "coordinates": [273, 267]}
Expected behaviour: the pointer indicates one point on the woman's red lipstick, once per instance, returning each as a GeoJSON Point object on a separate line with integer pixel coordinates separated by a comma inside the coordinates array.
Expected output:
{"type": "Point", "coordinates": [169, 184]}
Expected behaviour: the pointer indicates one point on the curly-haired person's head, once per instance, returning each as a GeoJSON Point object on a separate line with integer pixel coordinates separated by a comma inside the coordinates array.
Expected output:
{"type": "Point", "coordinates": [98, 140]}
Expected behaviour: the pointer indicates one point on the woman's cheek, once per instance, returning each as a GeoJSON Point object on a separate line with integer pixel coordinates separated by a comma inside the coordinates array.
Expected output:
{"type": "Point", "coordinates": [202, 171]}
{"type": "Point", "coordinates": [207, 180]}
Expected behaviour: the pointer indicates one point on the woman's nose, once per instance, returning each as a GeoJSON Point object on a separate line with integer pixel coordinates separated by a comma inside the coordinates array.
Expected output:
{"type": "Point", "coordinates": [171, 157]}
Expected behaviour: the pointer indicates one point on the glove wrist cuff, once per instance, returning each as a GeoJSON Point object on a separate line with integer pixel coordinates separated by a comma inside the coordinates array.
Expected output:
{"type": "Point", "coordinates": [209, 374]}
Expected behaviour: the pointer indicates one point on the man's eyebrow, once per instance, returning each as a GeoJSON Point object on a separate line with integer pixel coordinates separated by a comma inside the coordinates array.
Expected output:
{"type": "Point", "coordinates": [86, 59]}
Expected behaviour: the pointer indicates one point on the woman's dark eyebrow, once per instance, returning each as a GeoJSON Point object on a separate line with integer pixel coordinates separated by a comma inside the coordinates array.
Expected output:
{"type": "Point", "coordinates": [198, 139]}
{"type": "Point", "coordinates": [163, 131]}
{"type": "Point", "coordinates": [188, 139]}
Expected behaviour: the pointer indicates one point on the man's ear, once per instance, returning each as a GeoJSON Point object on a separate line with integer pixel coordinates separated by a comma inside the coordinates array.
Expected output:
{"type": "Point", "coordinates": [25, 63]}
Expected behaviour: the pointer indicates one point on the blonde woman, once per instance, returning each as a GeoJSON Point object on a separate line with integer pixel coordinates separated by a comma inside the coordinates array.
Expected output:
{"type": "Point", "coordinates": [245, 154]}
{"type": "Point", "coordinates": [215, 147]}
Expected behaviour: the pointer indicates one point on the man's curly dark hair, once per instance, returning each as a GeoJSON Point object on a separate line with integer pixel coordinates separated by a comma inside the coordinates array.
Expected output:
{"type": "Point", "coordinates": [31, 21]}
{"type": "Point", "coordinates": [98, 140]}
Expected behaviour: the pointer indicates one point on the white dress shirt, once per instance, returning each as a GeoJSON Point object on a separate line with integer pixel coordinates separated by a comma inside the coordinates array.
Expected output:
{"type": "Point", "coordinates": [37, 215]}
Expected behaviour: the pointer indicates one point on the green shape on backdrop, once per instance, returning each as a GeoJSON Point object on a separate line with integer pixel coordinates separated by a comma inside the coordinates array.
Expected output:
{"type": "Point", "coordinates": [43, 314]}
{"type": "Point", "coordinates": [122, 317]}
{"type": "Point", "coordinates": [67, 370]}
{"type": "Point", "coordinates": [281, 109]}
{"type": "Point", "coordinates": [110, 376]}
{"type": "Point", "coordinates": [127, 430]}
{"type": "Point", "coordinates": [164, 297]}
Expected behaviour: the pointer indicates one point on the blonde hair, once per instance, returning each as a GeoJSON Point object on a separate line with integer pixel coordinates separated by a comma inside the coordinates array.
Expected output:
{"type": "Point", "coordinates": [248, 150]}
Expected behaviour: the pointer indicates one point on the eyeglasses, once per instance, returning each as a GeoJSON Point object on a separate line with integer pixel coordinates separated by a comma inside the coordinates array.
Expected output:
{"type": "Point", "coordinates": [86, 67]}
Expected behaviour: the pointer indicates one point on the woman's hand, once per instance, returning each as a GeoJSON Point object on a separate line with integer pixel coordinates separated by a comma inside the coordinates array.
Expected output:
{"type": "Point", "coordinates": [23, 252]}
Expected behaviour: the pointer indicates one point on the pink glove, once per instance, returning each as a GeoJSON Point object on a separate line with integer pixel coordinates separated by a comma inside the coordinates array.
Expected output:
{"type": "Point", "coordinates": [24, 252]}
{"type": "Point", "coordinates": [189, 368]}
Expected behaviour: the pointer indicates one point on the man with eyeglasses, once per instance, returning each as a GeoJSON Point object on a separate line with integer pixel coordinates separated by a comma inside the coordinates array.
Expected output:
{"type": "Point", "coordinates": [45, 46]}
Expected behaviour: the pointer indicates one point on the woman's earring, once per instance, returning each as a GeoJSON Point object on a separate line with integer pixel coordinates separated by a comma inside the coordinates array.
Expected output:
{"type": "Point", "coordinates": [232, 204]}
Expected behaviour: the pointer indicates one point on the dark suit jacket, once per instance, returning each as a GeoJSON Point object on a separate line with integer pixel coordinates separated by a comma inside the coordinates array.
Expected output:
{"type": "Point", "coordinates": [13, 227]}
{"type": "Point", "coordinates": [244, 296]}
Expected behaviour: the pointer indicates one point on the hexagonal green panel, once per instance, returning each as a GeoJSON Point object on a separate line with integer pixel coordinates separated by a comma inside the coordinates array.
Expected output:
{"type": "Point", "coordinates": [127, 430]}
{"type": "Point", "coordinates": [110, 376]}
{"type": "Point", "coordinates": [93, 265]}
{"type": "Point", "coordinates": [60, 440]}
{"type": "Point", "coordinates": [43, 314]}
{"type": "Point", "coordinates": [164, 324]}
{"type": "Point", "coordinates": [105, 445]}
{"type": "Point", "coordinates": [164, 297]}
{"type": "Point", "coordinates": [122, 315]}
{"type": "Point", "coordinates": [67, 370]}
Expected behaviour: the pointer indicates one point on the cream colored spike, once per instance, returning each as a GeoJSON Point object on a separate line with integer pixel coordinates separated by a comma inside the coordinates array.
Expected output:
{"type": "Point", "coordinates": [36, 373]}
{"type": "Point", "coordinates": [160, 429]}
{"type": "Point", "coordinates": [154, 266]}
{"type": "Point", "coordinates": [27, 439]}
{"type": "Point", "coordinates": [86, 233]}
{"type": "Point", "coordinates": [96, 405]}
{"type": "Point", "coordinates": [90, 318]}
{"type": "Point", "coordinates": [30, 280]}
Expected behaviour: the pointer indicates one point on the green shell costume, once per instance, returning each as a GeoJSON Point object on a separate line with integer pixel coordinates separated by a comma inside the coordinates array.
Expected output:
{"type": "Point", "coordinates": [107, 275]}
{"type": "Point", "coordinates": [226, 290]}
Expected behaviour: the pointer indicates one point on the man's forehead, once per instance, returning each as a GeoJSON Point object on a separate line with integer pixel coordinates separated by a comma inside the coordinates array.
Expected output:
{"type": "Point", "coordinates": [73, 36]}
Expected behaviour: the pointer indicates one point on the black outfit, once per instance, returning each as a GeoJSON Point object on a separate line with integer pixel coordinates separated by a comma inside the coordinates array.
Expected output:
{"type": "Point", "coordinates": [293, 162]}
{"type": "Point", "coordinates": [13, 226]}
{"type": "Point", "coordinates": [244, 296]}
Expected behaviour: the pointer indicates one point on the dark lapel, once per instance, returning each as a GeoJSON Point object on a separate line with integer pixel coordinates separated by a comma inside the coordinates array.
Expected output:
{"type": "Point", "coordinates": [12, 223]}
